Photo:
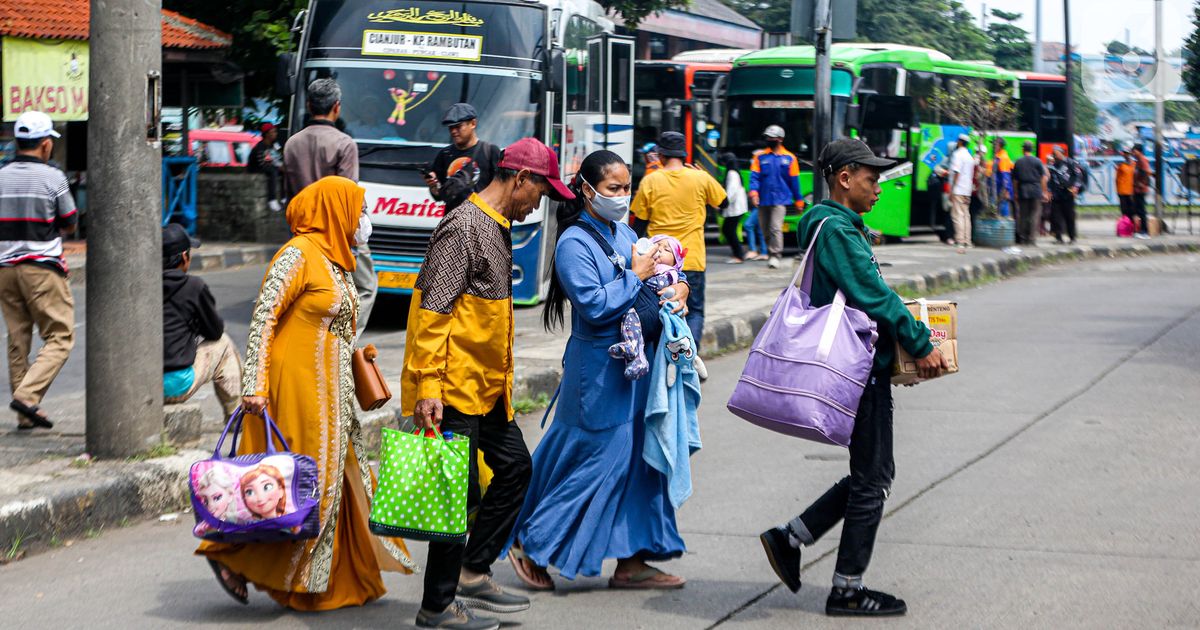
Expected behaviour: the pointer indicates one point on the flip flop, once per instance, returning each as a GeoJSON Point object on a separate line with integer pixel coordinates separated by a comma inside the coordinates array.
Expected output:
{"type": "Point", "coordinates": [644, 580]}
{"type": "Point", "coordinates": [515, 556]}
{"type": "Point", "coordinates": [735, 261]}
{"type": "Point", "coordinates": [217, 568]}
{"type": "Point", "coordinates": [30, 413]}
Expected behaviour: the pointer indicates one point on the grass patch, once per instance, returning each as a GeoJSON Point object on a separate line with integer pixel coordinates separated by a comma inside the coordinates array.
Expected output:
{"type": "Point", "coordinates": [14, 551]}
{"type": "Point", "coordinates": [94, 532]}
{"type": "Point", "coordinates": [528, 405]}
{"type": "Point", "coordinates": [162, 449]}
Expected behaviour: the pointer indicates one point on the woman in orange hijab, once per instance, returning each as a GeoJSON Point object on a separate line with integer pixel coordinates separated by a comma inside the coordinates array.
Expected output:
{"type": "Point", "coordinates": [298, 368]}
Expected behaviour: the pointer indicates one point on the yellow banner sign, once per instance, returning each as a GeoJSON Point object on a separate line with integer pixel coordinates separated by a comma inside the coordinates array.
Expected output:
{"type": "Point", "coordinates": [414, 16]}
{"type": "Point", "coordinates": [45, 75]}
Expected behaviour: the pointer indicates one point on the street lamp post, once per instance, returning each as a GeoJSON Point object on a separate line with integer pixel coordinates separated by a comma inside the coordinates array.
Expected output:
{"type": "Point", "coordinates": [124, 253]}
{"type": "Point", "coordinates": [1160, 75]}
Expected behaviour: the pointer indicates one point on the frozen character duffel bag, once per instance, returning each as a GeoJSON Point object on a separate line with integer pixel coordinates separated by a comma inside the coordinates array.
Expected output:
{"type": "Point", "coordinates": [258, 497]}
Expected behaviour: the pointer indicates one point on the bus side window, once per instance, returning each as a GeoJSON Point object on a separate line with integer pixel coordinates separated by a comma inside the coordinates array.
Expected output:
{"type": "Point", "coordinates": [579, 80]}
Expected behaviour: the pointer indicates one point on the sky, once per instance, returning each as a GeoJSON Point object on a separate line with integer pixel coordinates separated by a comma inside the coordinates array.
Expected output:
{"type": "Point", "coordinates": [1096, 22]}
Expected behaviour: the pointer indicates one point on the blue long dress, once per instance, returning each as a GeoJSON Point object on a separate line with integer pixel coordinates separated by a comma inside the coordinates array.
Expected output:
{"type": "Point", "coordinates": [592, 495]}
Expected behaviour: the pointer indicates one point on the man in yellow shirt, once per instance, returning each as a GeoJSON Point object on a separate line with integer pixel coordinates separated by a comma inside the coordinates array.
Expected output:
{"type": "Point", "coordinates": [458, 375]}
{"type": "Point", "coordinates": [674, 200]}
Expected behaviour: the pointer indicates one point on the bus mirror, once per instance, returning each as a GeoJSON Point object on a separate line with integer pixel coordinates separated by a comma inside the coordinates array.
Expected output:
{"type": "Point", "coordinates": [854, 115]}
{"type": "Point", "coordinates": [556, 78]}
{"type": "Point", "coordinates": [285, 79]}
{"type": "Point", "coordinates": [716, 100]}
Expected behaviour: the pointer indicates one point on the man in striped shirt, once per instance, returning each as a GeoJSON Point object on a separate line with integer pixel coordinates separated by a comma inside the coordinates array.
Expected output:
{"type": "Point", "coordinates": [36, 209]}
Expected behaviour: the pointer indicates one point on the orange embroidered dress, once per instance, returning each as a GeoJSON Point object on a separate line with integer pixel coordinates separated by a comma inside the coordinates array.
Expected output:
{"type": "Point", "coordinates": [298, 357]}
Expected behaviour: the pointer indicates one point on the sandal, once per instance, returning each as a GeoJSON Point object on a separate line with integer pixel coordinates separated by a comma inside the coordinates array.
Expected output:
{"type": "Point", "coordinates": [518, 560]}
{"type": "Point", "coordinates": [30, 413]}
{"type": "Point", "coordinates": [647, 579]}
{"type": "Point", "coordinates": [230, 584]}
{"type": "Point", "coordinates": [735, 261]}
{"type": "Point", "coordinates": [753, 256]}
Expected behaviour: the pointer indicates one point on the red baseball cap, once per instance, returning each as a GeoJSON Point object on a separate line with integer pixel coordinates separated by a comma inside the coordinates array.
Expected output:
{"type": "Point", "coordinates": [539, 159]}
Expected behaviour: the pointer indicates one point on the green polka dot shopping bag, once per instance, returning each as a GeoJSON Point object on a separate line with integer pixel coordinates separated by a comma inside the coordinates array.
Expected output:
{"type": "Point", "coordinates": [423, 481]}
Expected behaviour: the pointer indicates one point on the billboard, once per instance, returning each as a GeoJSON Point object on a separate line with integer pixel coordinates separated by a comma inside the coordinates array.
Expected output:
{"type": "Point", "coordinates": [46, 75]}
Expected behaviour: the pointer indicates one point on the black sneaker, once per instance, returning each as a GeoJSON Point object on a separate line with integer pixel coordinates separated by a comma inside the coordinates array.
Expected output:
{"type": "Point", "coordinates": [784, 558]}
{"type": "Point", "coordinates": [862, 602]}
{"type": "Point", "coordinates": [456, 615]}
{"type": "Point", "coordinates": [488, 595]}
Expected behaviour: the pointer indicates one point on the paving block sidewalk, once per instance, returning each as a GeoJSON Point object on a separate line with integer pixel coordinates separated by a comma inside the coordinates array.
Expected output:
{"type": "Point", "coordinates": [44, 496]}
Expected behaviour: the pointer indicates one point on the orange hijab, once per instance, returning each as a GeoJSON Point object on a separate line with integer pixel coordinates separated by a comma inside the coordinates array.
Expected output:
{"type": "Point", "coordinates": [326, 213]}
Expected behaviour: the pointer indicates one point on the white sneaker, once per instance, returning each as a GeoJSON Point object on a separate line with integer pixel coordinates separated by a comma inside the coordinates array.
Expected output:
{"type": "Point", "coordinates": [1142, 236]}
{"type": "Point", "coordinates": [274, 205]}
{"type": "Point", "coordinates": [773, 262]}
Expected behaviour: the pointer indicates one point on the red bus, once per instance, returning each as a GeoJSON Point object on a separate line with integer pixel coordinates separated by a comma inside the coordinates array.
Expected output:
{"type": "Point", "coordinates": [1044, 110]}
{"type": "Point", "coordinates": [674, 96]}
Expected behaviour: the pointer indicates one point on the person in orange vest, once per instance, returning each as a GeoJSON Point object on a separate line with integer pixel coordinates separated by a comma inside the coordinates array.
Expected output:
{"type": "Point", "coordinates": [774, 185]}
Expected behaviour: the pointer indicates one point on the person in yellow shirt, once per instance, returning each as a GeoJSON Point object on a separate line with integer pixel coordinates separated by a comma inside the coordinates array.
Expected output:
{"type": "Point", "coordinates": [674, 200]}
{"type": "Point", "coordinates": [458, 375]}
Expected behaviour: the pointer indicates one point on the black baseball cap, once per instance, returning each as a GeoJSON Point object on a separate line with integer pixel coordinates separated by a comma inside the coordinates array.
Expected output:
{"type": "Point", "coordinates": [459, 113]}
{"type": "Point", "coordinates": [845, 151]}
{"type": "Point", "coordinates": [175, 240]}
{"type": "Point", "coordinates": [672, 144]}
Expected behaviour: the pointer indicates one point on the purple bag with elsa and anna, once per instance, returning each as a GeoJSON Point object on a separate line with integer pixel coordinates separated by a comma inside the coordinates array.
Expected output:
{"type": "Point", "coordinates": [808, 366]}
{"type": "Point", "coordinates": [260, 497]}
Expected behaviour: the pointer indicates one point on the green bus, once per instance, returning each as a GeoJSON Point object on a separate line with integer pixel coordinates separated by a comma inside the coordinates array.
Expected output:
{"type": "Point", "coordinates": [880, 93]}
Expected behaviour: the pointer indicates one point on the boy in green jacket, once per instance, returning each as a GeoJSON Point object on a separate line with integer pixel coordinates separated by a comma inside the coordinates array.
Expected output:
{"type": "Point", "coordinates": [844, 260]}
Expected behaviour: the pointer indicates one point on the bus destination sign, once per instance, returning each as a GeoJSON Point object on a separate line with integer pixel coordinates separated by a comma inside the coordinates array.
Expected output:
{"type": "Point", "coordinates": [783, 105]}
{"type": "Point", "coordinates": [425, 45]}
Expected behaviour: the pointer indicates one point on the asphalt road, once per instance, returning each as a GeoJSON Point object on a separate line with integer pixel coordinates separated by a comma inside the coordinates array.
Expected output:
{"type": "Point", "coordinates": [1051, 484]}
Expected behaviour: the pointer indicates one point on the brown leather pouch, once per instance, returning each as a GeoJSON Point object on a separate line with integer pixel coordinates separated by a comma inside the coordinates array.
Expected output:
{"type": "Point", "coordinates": [369, 385]}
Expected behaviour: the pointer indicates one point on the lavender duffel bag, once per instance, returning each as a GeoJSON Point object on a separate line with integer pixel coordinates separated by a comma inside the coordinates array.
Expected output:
{"type": "Point", "coordinates": [260, 497]}
{"type": "Point", "coordinates": [808, 366]}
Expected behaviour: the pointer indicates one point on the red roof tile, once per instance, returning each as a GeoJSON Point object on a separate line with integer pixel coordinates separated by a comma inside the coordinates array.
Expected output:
{"type": "Point", "coordinates": [68, 19]}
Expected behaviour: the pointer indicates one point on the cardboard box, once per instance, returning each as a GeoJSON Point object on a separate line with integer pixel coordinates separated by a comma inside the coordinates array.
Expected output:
{"type": "Point", "coordinates": [942, 319]}
{"type": "Point", "coordinates": [1153, 226]}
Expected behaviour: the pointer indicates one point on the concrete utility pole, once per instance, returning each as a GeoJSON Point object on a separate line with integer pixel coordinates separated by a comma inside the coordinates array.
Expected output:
{"type": "Point", "coordinates": [822, 100]}
{"type": "Point", "coordinates": [1038, 64]}
{"type": "Point", "coordinates": [1070, 73]}
{"type": "Point", "coordinates": [124, 254]}
{"type": "Point", "coordinates": [1160, 76]}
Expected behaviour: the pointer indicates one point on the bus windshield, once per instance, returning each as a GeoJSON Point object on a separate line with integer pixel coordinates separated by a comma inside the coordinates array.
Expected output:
{"type": "Point", "coordinates": [402, 104]}
{"type": "Point", "coordinates": [749, 116]}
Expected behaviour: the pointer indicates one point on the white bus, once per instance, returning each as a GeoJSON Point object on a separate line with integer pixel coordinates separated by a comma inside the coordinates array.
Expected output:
{"type": "Point", "coordinates": [552, 70]}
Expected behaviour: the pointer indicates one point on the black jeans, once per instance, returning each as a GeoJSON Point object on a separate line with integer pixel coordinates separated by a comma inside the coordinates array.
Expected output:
{"type": "Point", "coordinates": [1139, 211]}
{"type": "Point", "coordinates": [729, 228]}
{"type": "Point", "coordinates": [1063, 216]}
{"type": "Point", "coordinates": [858, 498]}
{"type": "Point", "coordinates": [695, 304]}
{"type": "Point", "coordinates": [505, 452]}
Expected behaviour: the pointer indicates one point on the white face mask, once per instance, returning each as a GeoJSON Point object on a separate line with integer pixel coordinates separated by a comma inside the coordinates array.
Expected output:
{"type": "Point", "coordinates": [609, 208]}
{"type": "Point", "coordinates": [363, 233]}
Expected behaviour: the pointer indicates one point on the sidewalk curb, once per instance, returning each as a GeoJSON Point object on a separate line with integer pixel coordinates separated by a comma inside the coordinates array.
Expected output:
{"type": "Point", "coordinates": [227, 257]}
{"type": "Point", "coordinates": [112, 492]}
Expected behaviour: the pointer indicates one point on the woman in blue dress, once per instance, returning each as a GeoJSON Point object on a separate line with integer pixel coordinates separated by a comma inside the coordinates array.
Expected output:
{"type": "Point", "coordinates": [592, 495]}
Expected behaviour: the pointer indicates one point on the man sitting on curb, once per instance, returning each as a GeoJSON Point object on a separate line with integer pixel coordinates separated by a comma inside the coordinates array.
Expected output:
{"type": "Point", "coordinates": [196, 349]}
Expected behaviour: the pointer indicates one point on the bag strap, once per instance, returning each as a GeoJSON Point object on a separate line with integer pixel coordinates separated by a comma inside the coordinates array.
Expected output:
{"type": "Point", "coordinates": [269, 428]}
{"type": "Point", "coordinates": [603, 243]}
{"type": "Point", "coordinates": [553, 400]}
{"type": "Point", "coordinates": [804, 273]}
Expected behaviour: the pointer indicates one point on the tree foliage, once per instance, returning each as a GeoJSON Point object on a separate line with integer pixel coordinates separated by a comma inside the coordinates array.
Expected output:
{"type": "Point", "coordinates": [1191, 54]}
{"type": "Point", "coordinates": [970, 104]}
{"type": "Point", "coordinates": [774, 16]}
{"type": "Point", "coordinates": [1086, 112]}
{"type": "Point", "coordinates": [634, 11]}
{"type": "Point", "coordinates": [1011, 47]}
{"type": "Point", "coordinates": [260, 30]}
{"type": "Point", "coordinates": [939, 24]}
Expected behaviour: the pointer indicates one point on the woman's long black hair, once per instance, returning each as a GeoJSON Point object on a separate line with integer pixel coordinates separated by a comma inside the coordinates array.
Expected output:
{"type": "Point", "coordinates": [593, 169]}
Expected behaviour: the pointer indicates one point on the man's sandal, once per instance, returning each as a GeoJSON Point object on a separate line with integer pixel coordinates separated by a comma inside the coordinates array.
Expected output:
{"type": "Point", "coordinates": [228, 581]}
{"type": "Point", "coordinates": [30, 413]}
